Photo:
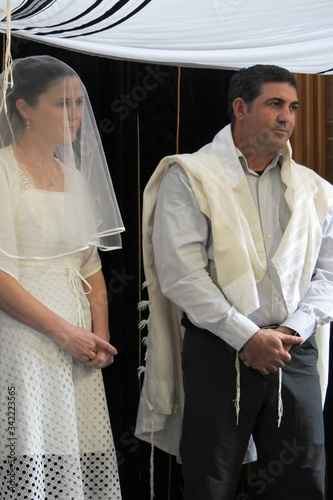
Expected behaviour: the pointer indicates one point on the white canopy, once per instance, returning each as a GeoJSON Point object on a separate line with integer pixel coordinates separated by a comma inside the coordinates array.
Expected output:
{"type": "Point", "coordinates": [228, 34]}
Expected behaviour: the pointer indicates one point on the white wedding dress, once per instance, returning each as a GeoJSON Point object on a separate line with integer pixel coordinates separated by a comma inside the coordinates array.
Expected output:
{"type": "Point", "coordinates": [55, 435]}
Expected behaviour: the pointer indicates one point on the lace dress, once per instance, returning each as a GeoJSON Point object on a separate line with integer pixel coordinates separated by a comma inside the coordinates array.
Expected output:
{"type": "Point", "coordinates": [55, 436]}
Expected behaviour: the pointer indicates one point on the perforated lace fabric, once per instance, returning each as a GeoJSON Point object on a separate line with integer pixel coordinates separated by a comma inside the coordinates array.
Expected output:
{"type": "Point", "coordinates": [55, 435]}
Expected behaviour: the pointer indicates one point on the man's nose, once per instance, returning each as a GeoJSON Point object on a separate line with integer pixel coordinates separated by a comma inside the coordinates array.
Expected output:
{"type": "Point", "coordinates": [285, 115]}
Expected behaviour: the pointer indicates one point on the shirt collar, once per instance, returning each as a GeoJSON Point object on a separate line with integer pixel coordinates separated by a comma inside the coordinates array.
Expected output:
{"type": "Point", "coordinates": [276, 161]}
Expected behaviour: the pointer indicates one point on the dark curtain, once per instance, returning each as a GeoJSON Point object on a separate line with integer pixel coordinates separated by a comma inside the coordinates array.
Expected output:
{"type": "Point", "coordinates": [144, 112]}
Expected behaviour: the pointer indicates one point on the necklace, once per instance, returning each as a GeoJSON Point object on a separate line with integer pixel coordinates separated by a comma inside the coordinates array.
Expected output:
{"type": "Point", "coordinates": [50, 181]}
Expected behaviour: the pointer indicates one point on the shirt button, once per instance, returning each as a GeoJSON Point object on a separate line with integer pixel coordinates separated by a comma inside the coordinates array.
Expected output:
{"type": "Point", "coordinates": [277, 299]}
{"type": "Point", "coordinates": [269, 236]}
{"type": "Point", "coordinates": [264, 205]}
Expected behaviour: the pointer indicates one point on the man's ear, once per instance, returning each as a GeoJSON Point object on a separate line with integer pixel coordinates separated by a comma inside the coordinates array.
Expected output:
{"type": "Point", "coordinates": [239, 107]}
{"type": "Point", "coordinates": [23, 108]}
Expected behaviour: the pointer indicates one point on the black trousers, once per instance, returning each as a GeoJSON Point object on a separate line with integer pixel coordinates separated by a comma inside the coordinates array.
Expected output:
{"type": "Point", "coordinates": [291, 458]}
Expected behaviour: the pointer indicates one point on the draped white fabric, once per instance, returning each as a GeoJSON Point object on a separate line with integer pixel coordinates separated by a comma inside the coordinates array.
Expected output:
{"type": "Point", "coordinates": [229, 34]}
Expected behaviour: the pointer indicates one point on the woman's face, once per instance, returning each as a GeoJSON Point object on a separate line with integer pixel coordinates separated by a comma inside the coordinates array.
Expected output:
{"type": "Point", "coordinates": [58, 114]}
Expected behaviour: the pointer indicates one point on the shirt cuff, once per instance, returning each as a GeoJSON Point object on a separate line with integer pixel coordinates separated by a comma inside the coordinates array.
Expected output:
{"type": "Point", "coordinates": [302, 323]}
{"type": "Point", "coordinates": [237, 330]}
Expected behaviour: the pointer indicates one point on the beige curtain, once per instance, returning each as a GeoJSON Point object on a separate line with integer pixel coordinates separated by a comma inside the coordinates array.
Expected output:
{"type": "Point", "coordinates": [309, 140]}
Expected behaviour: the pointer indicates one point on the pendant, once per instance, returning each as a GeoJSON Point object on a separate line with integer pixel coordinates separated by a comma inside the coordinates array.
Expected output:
{"type": "Point", "coordinates": [50, 183]}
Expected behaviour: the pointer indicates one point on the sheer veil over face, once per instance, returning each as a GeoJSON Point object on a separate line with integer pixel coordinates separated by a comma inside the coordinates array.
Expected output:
{"type": "Point", "coordinates": [47, 128]}
{"type": "Point", "coordinates": [58, 114]}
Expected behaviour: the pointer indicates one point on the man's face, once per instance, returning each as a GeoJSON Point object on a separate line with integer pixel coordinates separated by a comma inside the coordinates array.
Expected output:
{"type": "Point", "coordinates": [267, 125]}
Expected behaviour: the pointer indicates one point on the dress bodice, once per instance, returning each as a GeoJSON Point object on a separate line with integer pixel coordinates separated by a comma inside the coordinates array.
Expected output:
{"type": "Point", "coordinates": [46, 235]}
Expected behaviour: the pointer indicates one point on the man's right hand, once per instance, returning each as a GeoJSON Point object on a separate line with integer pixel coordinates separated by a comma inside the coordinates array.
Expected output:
{"type": "Point", "coordinates": [265, 351]}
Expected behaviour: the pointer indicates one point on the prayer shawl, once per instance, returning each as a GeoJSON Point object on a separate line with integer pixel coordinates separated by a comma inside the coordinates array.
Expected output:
{"type": "Point", "coordinates": [221, 189]}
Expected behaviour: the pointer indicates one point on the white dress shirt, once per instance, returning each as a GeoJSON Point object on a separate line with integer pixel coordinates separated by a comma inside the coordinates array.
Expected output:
{"type": "Point", "coordinates": [184, 257]}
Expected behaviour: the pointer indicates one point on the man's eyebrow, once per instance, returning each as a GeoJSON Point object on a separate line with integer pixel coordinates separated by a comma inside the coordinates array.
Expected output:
{"type": "Point", "coordinates": [279, 99]}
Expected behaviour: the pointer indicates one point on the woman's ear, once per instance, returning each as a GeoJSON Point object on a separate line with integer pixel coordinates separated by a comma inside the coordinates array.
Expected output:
{"type": "Point", "coordinates": [23, 108]}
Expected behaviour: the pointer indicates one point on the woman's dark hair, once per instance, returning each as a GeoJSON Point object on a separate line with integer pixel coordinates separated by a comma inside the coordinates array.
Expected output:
{"type": "Point", "coordinates": [33, 77]}
{"type": "Point", "coordinates": [247, 82]}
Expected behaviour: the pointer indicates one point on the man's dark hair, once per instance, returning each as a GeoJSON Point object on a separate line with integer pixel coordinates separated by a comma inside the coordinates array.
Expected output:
{"type": "Point", "coordinates": [247, 82]}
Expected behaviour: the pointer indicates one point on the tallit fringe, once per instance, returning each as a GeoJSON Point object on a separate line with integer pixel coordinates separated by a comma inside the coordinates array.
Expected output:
{"type": "Point", "coordinates": [141, 370]}
{"type": "Point", "coordinates": [143, 323]}
{"type": "Point", "coordinates": [280, 402]}
{"type": "Point", "coordinates": [237, 400]}
{"type": "Point", "coordinates": [152, 493]}
{"type": "Point", "coordinates": [143, 305]}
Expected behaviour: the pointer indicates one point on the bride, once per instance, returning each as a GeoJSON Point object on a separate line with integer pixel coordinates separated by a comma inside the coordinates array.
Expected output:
{"type": "Point", "coordinates": [58, 207]}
